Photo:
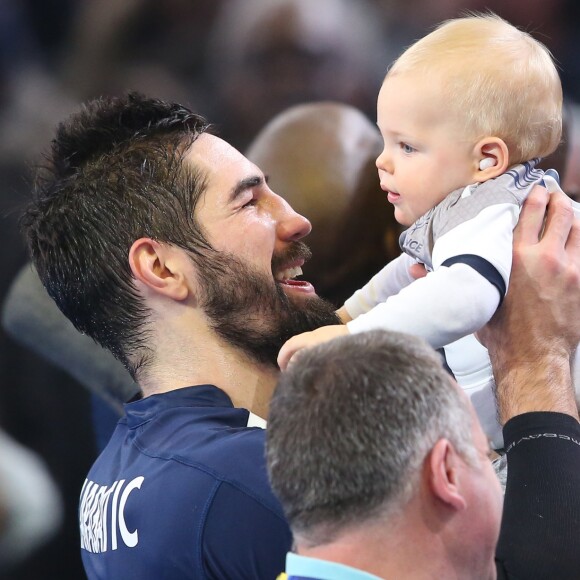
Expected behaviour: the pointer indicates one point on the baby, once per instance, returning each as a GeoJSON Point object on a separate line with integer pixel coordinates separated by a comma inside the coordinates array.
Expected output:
{"type": "Point", "coordinates": [465, 114]}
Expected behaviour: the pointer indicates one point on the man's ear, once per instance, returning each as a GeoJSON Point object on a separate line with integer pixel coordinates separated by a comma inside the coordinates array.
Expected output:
{"type": "Point", "coordinates": [443, 464]}
{"type": "Point", "coordinates": [158, 266]}
{"type": "Point", "coordinates": [491, 158]}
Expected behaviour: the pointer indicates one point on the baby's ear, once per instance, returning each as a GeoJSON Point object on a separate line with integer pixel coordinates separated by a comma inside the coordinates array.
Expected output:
{"type": "Point", "coordinates": [491, 158]}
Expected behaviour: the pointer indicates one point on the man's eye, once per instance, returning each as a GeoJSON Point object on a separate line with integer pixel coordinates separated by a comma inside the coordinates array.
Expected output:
{"type": "Point", "coordinates": [407, 148]}
{"type": "Point", "coordinates": [251, 202]}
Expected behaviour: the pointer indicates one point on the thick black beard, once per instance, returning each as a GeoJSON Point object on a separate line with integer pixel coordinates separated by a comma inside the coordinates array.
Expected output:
{"type": "Point", "coordinates": [250, 311]}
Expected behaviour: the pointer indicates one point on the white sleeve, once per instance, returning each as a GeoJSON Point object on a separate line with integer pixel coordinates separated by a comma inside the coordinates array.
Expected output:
{"type": "Point", "coordinates": [388, 282]}
{"type": "Point", "coordinates": [446, 305]}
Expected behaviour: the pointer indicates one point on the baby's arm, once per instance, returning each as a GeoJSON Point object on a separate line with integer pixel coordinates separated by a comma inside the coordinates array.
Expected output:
{"type": "Point", "coordinates": [308, 339]}
{"type": "Point", "coordinates": [442, 307]}
{"type": "Point", "coordinates": [394, 276]}
{"type": "Point", "coordinates": [471, 261]}
{"type": "Point", "coordinates": [447, 304]}
{"type": "Point", "coordinates": [389, 281]}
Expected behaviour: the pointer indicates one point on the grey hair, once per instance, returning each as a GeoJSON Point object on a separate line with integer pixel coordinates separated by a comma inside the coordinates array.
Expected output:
{"type": "Point", "coordinates": [350, 425]}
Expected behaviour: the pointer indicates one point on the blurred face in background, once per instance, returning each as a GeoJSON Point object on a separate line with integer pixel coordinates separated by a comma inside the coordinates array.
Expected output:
{"type": "Point", "coordinates": [267, 55]}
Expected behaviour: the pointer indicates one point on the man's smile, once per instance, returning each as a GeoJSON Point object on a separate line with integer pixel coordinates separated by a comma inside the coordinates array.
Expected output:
{"type": "Point", "coordinates": [288, 274]}
{"type": "Point", "coordinates": [287, 266]}
{"type": "Point", "coordinates": [287, 278]}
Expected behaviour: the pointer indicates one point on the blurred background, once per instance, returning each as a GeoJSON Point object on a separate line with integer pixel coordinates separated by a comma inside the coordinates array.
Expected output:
{"type": "Point", "coordinates": [238, 62]}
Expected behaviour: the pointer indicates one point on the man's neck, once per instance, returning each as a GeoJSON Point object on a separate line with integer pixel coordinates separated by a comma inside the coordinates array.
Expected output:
{"type": "Point", "coordinates": [201, 358]}
{"type": "Point", "coordinates": [405, 550]}
{"type": "Point", "coordinates": [358, 547]}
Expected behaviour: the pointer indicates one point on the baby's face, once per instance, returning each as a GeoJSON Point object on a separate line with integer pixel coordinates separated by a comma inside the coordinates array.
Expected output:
{"type": "Point", "coordinates": [425, 155]}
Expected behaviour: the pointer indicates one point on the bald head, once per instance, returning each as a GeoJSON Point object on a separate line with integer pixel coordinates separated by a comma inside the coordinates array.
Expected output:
{"type": "Point", "coordinates": [321, 158]}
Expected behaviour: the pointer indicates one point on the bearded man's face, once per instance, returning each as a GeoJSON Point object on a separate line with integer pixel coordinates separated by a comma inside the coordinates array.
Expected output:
{"type": "Point", "coordinates": [251, 311]}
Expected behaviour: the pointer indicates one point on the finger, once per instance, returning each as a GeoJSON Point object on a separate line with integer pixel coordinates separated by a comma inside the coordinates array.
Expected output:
{"type": "Point", "coordinates": [559, 219]}
{"type": "Point", "coordinates": [343, 314]}
{"type": "Point", "coordinates": [293, 359]}
{"type": "Point", "coordinates": [481, 335]}
{"type": "Point", "coordinates": [531, 220]}
{"type": "Point", "coordinates": [417, 271]}
{"type": "Point", "coordinates": [287, 352]}
{"type": "Point", "coordinates": [573, 242]}
{"type": "Point", "coordinates": [284, 357]}
{"type": "Point", "coordinates": [289, 362]}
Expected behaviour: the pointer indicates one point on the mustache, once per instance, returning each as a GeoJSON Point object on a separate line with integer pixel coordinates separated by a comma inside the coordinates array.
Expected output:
{"type": "Point", "coordinates": [295, 251]}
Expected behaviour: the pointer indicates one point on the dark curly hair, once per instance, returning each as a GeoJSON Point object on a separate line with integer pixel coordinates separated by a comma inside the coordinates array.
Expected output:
{"type": "Point", "coordinates": [114, 173]}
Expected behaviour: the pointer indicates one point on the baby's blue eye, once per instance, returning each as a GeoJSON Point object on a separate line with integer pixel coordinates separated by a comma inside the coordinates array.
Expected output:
{"type": "Point", "coordinates": [407, 148]}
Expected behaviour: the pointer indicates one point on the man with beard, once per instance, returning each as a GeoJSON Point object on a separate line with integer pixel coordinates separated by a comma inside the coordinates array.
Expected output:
{"type": "Point", "coordinates": [320, 157]}
{"type": "Point", "coordinates": [166, 246]}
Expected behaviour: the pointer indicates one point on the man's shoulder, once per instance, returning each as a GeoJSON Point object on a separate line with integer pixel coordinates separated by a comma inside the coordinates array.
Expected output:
{"type": "Point", "coordinates": [210, 444]}
{"type": "Point", "coordinates": [187, 463]}
{"type": "Point", "coordinates": [216, 440]}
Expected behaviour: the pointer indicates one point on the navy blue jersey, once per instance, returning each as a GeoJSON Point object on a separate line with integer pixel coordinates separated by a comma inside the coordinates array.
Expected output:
{"type": "Point", "coordinates": [181, 491]}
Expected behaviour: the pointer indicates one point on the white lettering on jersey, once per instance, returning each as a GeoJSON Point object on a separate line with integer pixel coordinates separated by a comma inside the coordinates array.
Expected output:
{"type": "Point", "coordinates": [94, 512]}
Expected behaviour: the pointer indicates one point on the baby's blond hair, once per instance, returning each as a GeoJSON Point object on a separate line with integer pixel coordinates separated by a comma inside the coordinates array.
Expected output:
{"type": "Point", "coordinates": [500, 80]}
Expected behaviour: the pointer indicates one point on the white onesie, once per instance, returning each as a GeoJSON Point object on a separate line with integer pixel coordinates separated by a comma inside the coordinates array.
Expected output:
{"type": "Point", "coordinates": [465, 242]}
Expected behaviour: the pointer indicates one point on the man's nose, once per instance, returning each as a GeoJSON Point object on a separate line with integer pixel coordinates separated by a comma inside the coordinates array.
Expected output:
{"type": "Point", "coordinates": [291, 225]}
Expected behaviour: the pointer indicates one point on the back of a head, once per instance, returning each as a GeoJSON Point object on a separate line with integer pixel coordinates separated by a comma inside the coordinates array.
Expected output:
{"type": "Point", "coordinates": [113, 175]}
{"type": "Point", "coordinates": [498, 80]}
{"type": "Point", "coordinates": [321, 158]}
{"type": "Point", "coordinates": [350, 424]}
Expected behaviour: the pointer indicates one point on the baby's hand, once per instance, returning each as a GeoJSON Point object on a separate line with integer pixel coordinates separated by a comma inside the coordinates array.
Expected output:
{"type": "Point", "coordinates": [418, 271]}
{"type": "Point", "coordinates": [343, 314]}
{"type": "Point", "coordinates": [308, 339]}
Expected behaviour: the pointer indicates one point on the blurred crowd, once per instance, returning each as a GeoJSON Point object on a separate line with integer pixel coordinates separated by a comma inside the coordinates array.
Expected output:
{"type": "Point", "coordinates": [237, 62]}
